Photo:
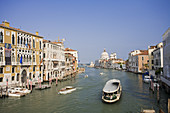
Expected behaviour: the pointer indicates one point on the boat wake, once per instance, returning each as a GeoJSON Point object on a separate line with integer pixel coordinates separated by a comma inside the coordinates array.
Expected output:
{"type": "Point", "coordinates": [79, 87]}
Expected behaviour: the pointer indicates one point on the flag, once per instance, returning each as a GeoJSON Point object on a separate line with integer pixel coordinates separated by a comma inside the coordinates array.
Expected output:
{"type": "Point", "coordinates": [29, 46]}
{"type": "Point", "coordinates": [21, 59]}
{"type": "Point", "coordinates": [41, 62]}
{"type": "Point", "coordinates": [26, 45]}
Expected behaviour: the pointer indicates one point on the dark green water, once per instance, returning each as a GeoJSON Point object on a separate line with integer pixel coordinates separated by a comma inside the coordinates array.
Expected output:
{"type": "Point", "coordinates": [87, 97]}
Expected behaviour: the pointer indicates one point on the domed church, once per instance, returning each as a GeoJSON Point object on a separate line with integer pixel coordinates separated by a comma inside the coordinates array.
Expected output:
{"type": "Point", "coordinates": [104, 55]}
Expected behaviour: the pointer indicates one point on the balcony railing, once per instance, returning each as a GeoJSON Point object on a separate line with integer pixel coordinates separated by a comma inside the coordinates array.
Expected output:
{"type": "Point", "coordinates": [2, 63]}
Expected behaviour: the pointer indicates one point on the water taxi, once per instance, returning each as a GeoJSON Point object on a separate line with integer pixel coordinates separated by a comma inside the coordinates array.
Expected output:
{"type": "Point", "coordinates": [67, 89]}
{"type": "Point", "coordinates": [22, 90]}
{"type": "Point", "coordinates": [101, 73]}
{"type": "Point", "coordinates": [14, 93]}
{"type": "Point", "coordinates": [112, 91]}
{"type": "Point", "coordinates": [85, 76]}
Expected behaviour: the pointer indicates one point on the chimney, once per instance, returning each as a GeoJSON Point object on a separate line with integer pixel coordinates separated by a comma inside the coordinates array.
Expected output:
{"type": "Point", "coordinates": [5, 23]}
{"type": "Point", "coordinates": [36, 33]}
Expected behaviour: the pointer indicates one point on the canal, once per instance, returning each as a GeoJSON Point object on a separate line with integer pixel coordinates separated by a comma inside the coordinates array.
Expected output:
{"type": "Point", "coordinates": [87, 97]}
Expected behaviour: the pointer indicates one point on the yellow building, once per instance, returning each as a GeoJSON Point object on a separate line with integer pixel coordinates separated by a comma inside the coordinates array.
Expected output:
{"type": "Point", "coordinates": [20, 55]}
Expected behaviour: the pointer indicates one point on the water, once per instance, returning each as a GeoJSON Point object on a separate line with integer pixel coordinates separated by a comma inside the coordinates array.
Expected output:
{"type": "Point", "coordinates": [87, 97]}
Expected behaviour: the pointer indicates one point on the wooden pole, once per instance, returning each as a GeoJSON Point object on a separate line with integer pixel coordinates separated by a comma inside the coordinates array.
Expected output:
{"type": "Point", "coordinates": [27, 83]}
{"type": "Point", "coordinates": [158, 93]}
{"type": "Point", "coordinates": [56, 81]}
{"type": "Point", "coordinates": [31, 84]}
{"type": "Point", "coordinates": [1, 91]}
{"type": "Point", "coordinates": [40, 82]}
{"type": "Point", "coordinates": [168, 105]}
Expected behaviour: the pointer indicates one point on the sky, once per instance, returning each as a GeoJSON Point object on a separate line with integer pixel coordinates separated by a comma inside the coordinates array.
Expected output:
{"type": "Point", "coordinates": [89, 26]}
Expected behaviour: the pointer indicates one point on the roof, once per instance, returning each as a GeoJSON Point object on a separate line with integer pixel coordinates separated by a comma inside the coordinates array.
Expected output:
{"type": "Point", "coordinates": [152, 47]}
{"type": "Point", "coordinates": [19, 30]}
{"type": "Point", "coordinates": [69, 54]}
{"type": "Point", "coordinates": [111, 86]}
{"type": "Point", "coordinates": [52, 42]}
{"type": "Point", "coordinates": [142, 52]}
{"type": "Point", "coordinates": [68, 49]}
{"type": "Point", "coordinates": [57, 42]}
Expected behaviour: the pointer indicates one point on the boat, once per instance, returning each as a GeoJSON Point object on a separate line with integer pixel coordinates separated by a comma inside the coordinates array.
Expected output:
{"type": "Point", "coordinates": [112, 91]}
{"type": "Point", "coordinates": [67, 89]}
{"type": "Point", "coordinates": [22, 90]}
{"type": "Point", "coordinates": [147, 79]}
{"type": "Point", "coordinates": [101, 73]}
{"type": "Point", "coordinates": [16, 94]}
{"type": "Point", "coordinates": [85, 76]}
{"type": "Point", "coordinates": [13, 93]}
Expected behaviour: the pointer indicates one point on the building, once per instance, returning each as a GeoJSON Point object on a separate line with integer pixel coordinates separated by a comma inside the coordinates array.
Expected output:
{"type": "Point", "coordinates": [54, 60]}
{"type": "Point", "coordinates": [111, 62]}
{"type": "Point", "coordinates": [150, 55]}
{"type": "Point", "coordinates": [20, 55]}
{"type": "Point", "coordinates": [158, 56]}
{"type": "Point", "coordinates": [70, 63]}
{"type": "Point", "coordinates": [166, 60]}
{"type": "Point", "coordinates": [91, 64]}
{"type": "Point", "coordinates": [138, 61]}
{"type": "Point", "coordinates": [74, 53]}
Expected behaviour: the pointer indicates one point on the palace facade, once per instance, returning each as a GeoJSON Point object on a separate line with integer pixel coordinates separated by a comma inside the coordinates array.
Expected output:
{"type": "Point", "coordinates": [20, 55]}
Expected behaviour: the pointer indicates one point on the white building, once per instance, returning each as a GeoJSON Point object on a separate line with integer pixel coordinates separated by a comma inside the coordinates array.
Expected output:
{"type": "Point", "coordinates": [166, 60]}
{"type": "Point", "coordinates": [112, 62]}
{"type": "Point", "coordinates": [54, 60]}
{"type": "Point", "coordinates": [158, 56]}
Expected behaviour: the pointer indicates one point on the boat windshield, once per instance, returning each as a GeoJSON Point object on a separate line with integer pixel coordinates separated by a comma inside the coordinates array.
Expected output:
{"type": "Point", "coordinates": [110, 96]}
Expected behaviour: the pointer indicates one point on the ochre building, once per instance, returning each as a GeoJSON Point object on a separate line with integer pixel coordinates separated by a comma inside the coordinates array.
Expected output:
{"type": "Point", "coordinates": [20, 56]}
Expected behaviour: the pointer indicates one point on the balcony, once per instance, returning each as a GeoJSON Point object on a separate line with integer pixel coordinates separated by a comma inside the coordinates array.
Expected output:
{"type": "Point", "coordinates": [62, 67]}
{"type": "Point", "coordinates": [13, 63]}
{"type": "Point", "coordinates": [23, 63]}
{"type": "Point", "coordinates": [2, 63]}
{"type": "Point", "coordinates": [56, 67]}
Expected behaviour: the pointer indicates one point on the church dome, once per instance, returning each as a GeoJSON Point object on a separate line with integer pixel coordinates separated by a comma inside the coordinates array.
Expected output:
{"type": "Point", "coordinates": [104, 55]}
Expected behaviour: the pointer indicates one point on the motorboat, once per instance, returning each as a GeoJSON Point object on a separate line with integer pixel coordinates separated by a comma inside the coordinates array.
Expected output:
{"type": "Point", "coordinates": [13, 93]}
{"type": "Point", "coordinates": [101, 73]}
{"type": "Point", "coordinates": [112, 91]}
{"type": "Point", "coordinates": [67, 89]}
{"type": "Point", "coordinates": [85, 76]}
{"type": "Point", "coordinates": [147, 79]}
{"type": "Point", "coordinates": [22, 90]}
{"type": "Point", "coordinates": [16, 94]}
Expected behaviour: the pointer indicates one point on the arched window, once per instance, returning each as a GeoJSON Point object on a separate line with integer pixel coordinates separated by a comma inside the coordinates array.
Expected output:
{"type": "Point", "coordinates": [27, 40]}
{"type": "Point", "coordinates": [18, 77]}
{"type": "Point", "coordinates": [24, 58]}
{"type": "Point", "coordinates": [24, 41]}
{"type": "Point", "coordinates": [30, 76]}
{"type": "Point", "coordinates": [40, 44]}
{"type": "Point", "coordinates": [33, 43]}
{"type": "Point", "coordinates": [13, 39]}
{"type": "Point", "coordinates": [1, 37]}
{"type": "Point", "coordinates": [18, 40]}
{"type": "Point", "coordinates": [18, 58]}
{"type": "Point", "coordinates": [21, 40]}
{"type": "Point", "coordinates": [30, 58]}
